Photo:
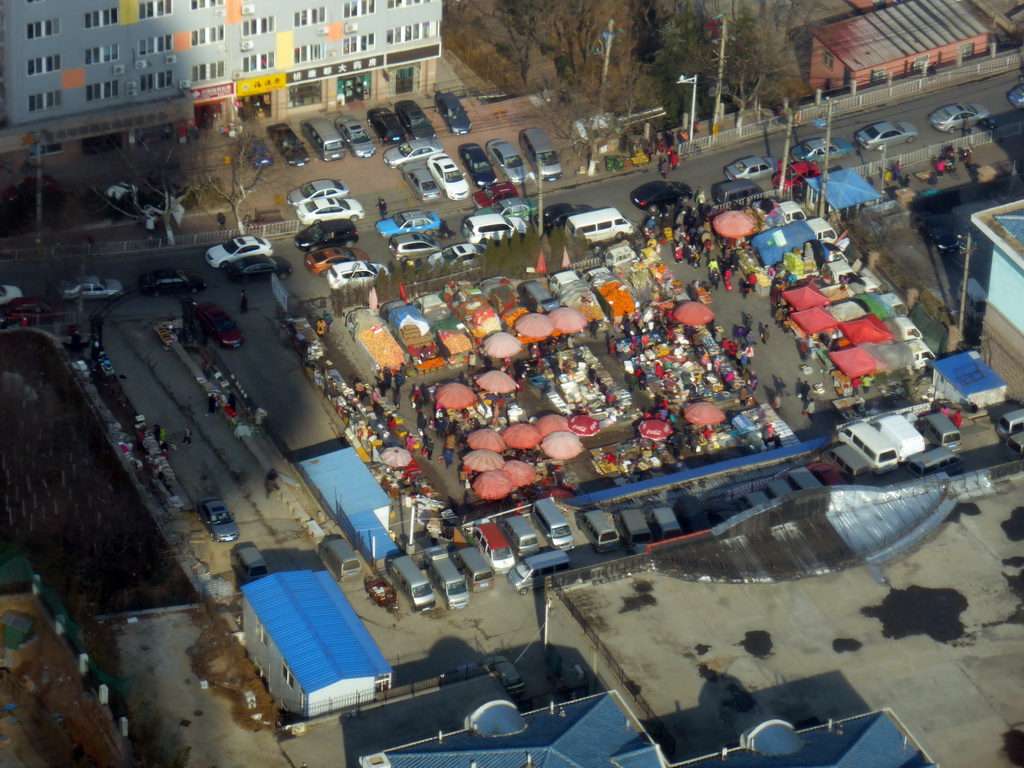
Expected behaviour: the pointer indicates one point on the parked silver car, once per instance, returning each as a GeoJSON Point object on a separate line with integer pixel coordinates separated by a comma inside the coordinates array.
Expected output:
{"type": "Point", "coordinates": [886, 133]}
{"type": "Point", "coordinates": [507, 157]}
{"type": "Point", "coordinates": [421, 183]}
{"type": "Point", "coordinates": [953, 116]}
{"type": "Point", "coordinates": [358, 140]}
{"type": "Point", "coordinates": [753, 167]}
{"type": "Point", "coordinates": [411, 151]}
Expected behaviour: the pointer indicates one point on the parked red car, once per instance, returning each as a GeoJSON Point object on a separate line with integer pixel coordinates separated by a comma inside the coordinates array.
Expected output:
{"type": "Point", "coordinates": [27, 188]}
{"type": "Point", "coordinates": [797, 174]}
{"type": "Point", "coordinates": [500, 191]}
{"type": "Point", "coordinates": [30, 309]}
{"type": "Point", "coordinates": [828, 474]}
{"type": "Point", "coordinates": [218, 324]}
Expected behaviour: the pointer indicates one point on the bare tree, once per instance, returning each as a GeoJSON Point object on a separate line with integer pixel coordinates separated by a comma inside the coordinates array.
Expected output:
{"type": "Point", "coordinates": [521, 20]}
{"type": "Point", "coordinates": [575, 29]}
{"type": "Point", "coordinates": [237, 176]}
{"type": "Point", "coordinates": [151, 191]}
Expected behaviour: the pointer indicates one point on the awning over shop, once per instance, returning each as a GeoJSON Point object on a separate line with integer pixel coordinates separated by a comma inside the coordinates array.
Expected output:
{"type": "Point", "coordinates": [771, 245]}
{"type": "Point", "coordinates": [814, 320]}
{"type": "Point", "coordinates": [854, 362]}
{"type": "Point", "coordinates": [845, 189]}
{"type": "Point", "coordinates": [805, 297]}
{"type": "Point", "coordinates": [866, 329]}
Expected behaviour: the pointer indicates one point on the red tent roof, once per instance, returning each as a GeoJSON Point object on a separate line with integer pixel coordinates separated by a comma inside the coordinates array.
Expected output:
{"type": "Point", "coordinates": [805, 297]}
{"type": "Point", "coordinates": [866, 329]}
{"type": "Point", "coordinates": [854, 362]}
{"type": "Point", "coordinates": [814, 320]}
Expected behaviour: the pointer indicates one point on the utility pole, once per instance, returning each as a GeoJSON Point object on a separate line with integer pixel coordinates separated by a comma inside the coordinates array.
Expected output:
{"type": "Point", "coordinates": [962, 320]}
{"type": "Point", "coordinates": [692, 80]}
{"type": "Point", "coordinates": [718, 85]}
{"type": "Point", "coordinates": [785, 153]}
{"type": "Point", "coordinates": [609, 37]}
{"type": "Point", "coordinates": [824, 171]}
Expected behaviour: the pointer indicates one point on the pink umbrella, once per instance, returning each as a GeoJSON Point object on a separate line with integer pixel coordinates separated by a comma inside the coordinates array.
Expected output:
{"type": "Point", "coordinates": [502, 344]}
{"type": "Point", "coordinates": [494, 484]}
{"type": "Point", "coordinates": [655, 429]}
{"type": "Point", "coordinates": [562, 445]}
{"type": "Point", "coordinates": [396, 457]}
{"type": "Point", "coordinates": [496, 381]}
{"type": "Point", "coordinates": [692, 313]}
{"type": "Point", "coordinates": [485, 439]}
{"type": "Point", "coordinates": [734, 224]}
{"type": "Point", "coordinates": [520, 473]}
{"type": "Point", "coordinates": [534, 326]}
{"type": "Point", "coordinates": [521, 436]}
{"type": "Point", "coordinates": [455, 395]}
{"type": "Point", "coordinates": [582, 424]}
{"type": "Point", "coordinates": [704, 414]}
{"type": "Point", "coordinates": [482, 461]}
{"type": "Point", "coordinates": [552, 422]}
{"type": "Point", "coordinates": [567, 319]}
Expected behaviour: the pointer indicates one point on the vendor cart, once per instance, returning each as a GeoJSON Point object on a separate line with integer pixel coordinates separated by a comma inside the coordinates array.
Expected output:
{"type": "Point", "coordinates": [380, 591]}
{"type": "Point", "coordinates": [849, 407]}
{"type": "Point", "coordinates": [698, 292]}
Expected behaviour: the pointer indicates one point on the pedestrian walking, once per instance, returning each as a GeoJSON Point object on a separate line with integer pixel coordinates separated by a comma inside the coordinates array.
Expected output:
{"type": "Point", "coordinates": [762, 331]}
{"type": "Point", "coordinates": [753, 381]}
{"type": "Point", "coordinates": [222, 220]}
{"type": "Point", "coordinates": [187, 439]}
{"type": "Point", "coordinates": [328, 321]}
{"type": "Point", "coordinates": [382, 207]}
{"type": "Point", "coordinates": [397, 380]}
{"type": "Point", "coordinates": [663, 167]}
{"type": "Point", "coordinates": [270, 482]}
{"type": "Point", "coordinates": [244, 302]}
{"type": "Point", "coordinates": [673, 159]}
{"type": "Point", "coordinates": [231, 401]}
{"type": "Point", "coordinates": [211, 403]}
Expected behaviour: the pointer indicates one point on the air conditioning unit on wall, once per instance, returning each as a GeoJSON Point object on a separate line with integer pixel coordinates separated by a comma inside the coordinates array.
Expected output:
{"type": "Point", "coordinates": [172, 59]}
{"type": "Point", "coordinates": [247, 45]}
{"type": "Point", "coordinates": [248, 10]}
{"type": "Point", "coordinates": [141, 64]}
{"type": "Point", "coordinates": [351, 26]}
{"type": "Point", "coordinates": [323, 30]}
{"type": "Point", "coordinates": [119, 69]}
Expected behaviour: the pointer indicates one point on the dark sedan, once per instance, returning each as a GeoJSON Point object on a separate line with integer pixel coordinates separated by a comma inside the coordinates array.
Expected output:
{"type": "Point", "coordinates": [258, 154]}
{"type": "Point", "coordinates": [414, 120]}
{"type": "Point", "coordinates": [254, 267]}
{"type": "Point", "coordinates": [660, 196]}
{"type": "Point", "coordinates": [321, 234]}
{"type": "Point", "coordinates": [171, 281]}
{"type": "Point", "coordinates": [943, 235]}
{"type": "Point", "coordinates": [288, 144]}
{"type": "Point", "coordinates": [218, 325]}
{"type": "Point", "coordinates": [555, 215]}
{"type": "Point", "coordinates": [386, 126]}
{"type": "Point", "coordinates": [477, 166]}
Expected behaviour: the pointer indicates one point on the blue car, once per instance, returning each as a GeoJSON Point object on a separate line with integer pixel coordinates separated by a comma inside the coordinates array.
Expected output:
{"type": "Point", "coordinates": [258, 154]}
{"type": "Point", "coordinates": [814, 150]}
{"type": "Point", "coordinates": [478, 166]}
{"type": "Point", "coordinates": [409, 221]}
{"type": "Point", "coordinates": [1016, 96]}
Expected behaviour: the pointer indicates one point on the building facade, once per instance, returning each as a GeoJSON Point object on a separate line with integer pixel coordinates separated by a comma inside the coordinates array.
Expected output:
{"type": "Point", "coordinates": [91, 74]}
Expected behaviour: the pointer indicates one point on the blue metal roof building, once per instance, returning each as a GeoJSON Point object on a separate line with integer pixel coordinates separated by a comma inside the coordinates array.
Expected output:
{"type": "Point", "coordinates": [966, 380]}
{"type": "Point", "coordinates": [314, 651]}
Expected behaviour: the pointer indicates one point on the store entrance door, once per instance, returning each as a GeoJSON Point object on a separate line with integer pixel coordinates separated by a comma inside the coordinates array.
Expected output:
{"type": "Point", "coordinates": [354, 89]}
{"type": "Point", "coordinates": [254, 107]}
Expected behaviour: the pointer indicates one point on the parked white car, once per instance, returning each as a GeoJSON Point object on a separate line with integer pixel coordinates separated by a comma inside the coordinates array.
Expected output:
{"type": "Point", "coordinates": [328, 209]}
{"type": "Point", "coordinates": [491, 226]}
{"type": "Point", "coordinates": [8, 293]}
{"type": "Point", "coordinates": [353, 273]}
{"type": "Point", "coordinates": [236, 248]}
{"type": "Point", "coordinates": [448, 176]}
{"type": "Point", "coordinates": [311, 190]}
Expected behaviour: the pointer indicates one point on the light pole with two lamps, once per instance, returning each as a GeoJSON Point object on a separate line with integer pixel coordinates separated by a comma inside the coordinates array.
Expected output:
{"type": "Point", "coordinates": [692, 80]}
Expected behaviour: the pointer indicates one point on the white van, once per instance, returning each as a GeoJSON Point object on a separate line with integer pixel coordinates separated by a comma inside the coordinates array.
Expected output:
{"type": "Point", "coordinates": [553, 523]}
{"type": "Point", "coordinates": [446, 577]}
{"type": "Point", "coordinates": [602, 224]}
{"type": "Point", "coordinates": [490, 226]}
{"type": "Point", "coordinates": [878, 449]}
{"type": "Point", "coordinates": [894, 304]}
{"type": "Point", "coordinates": [338, 557]}
{"type": "Point", "coordinates": [902, 329]}
{"type": "Point", "coordinates": [824, 232]}
{"type": "Point", "coordinates": [902, 434]}
{"type": "Point", "coordinates": [920, 354]}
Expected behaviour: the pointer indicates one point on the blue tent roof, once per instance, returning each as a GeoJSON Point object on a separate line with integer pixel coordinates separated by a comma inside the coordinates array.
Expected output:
{"type": "Point", "coordinates": [845, 189]}
{"type": "Point", "coordinates": [968, 373]}
{"type": "Point", "coordinates": [772, 244]}
{"type": "Point", "coordinates": [316, 629]}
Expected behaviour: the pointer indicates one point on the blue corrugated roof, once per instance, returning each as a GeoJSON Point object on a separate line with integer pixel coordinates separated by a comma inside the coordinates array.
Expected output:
{"type": "Point", "coordinates": [348, 487]}
{"type": "Point", "coordinates": [316, 629]}
{"type": "Point", "coordinates": [591, 732]}
{"type": "Point", "coordinates": [968, 373]}
{"type": "Point", "coordinates": [1012, 223]}
{"type": "Point", "coordinates": [872, 741]}
{"type": "Point", "coordinates": [846, 188]}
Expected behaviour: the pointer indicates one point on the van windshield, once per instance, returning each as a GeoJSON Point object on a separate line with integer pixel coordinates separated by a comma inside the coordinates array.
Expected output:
{"type": "Point", "coordinates": [522, 570]}
{"type": "Point", "coordinates": [421, 590]}
{"type": "Point", "coordinates": [561, 530]}
{"type": "Point", "coordinates": [456, 588]}
{"type": "Point", "coordinates": [548, 158]}
{"type": "Point", "coordinates": [501, 553]}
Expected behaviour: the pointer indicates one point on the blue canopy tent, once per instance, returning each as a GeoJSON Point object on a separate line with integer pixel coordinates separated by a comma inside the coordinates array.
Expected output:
{"type": "Point", "coordinates": [845, 189]}
{"type": "Point", "coordinates": [771, 245]}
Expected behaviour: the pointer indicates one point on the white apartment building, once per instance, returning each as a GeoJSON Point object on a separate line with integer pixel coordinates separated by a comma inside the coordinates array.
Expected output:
{"type": "Point", "coordinates": [85, 75]}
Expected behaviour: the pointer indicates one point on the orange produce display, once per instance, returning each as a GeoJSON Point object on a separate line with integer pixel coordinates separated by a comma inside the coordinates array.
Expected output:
{"type": "Point", "coordinates": [618, 300]}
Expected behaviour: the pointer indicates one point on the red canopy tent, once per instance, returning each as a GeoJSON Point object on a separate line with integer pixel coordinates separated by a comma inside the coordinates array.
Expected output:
{"type": "Point", "coordinates": [854, 362]}
{"type": "Point", "coordinates": [866, 329]}
{"type": "Point", "coordinates": [805, 297]}
{"type": "Point", "coordinates": [814, 320]}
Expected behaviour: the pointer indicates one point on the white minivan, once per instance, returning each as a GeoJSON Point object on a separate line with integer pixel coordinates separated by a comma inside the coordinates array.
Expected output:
{"type": "Point", "coordinates": [602, 224]}
{"type": "Point", "coordinates": [901, 432]}
{"type": "Point", "coordinates": [879, 450]}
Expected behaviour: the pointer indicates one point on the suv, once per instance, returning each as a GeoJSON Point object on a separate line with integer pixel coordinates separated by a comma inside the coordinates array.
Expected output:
{"type": "Point", "coordinates": [321, 234]}
{"type": "Point", "coordinates": [451, 111]}
{"type": "Point", "coordinates": [385, 125]}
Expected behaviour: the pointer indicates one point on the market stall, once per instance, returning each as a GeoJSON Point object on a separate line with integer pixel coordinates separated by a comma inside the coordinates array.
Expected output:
{"type": "Point", "coordinates": [378, 347]}
{"type": "Point", "coordinates": [805, 296]}
{"type": "Point", "coordinates": [867, 329]}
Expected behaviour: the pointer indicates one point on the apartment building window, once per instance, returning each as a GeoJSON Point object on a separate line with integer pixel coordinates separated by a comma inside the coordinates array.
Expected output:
{"type": "Point", "coordinates": [104, 18]}
{"type": "Point", "coordinates": [405, 3]}
{"type": "Point", "coordinates": [262, 26]}
{"type": "Point", "coordinates": [828, 60]}
{"type": "Point", "coordinates": [306, 53]}
{"type": "Point", "coordinates": [37, 102]}
{"type": "Point", "coordinates": [42, 64]}
{"type": "Point", "coordinates": [351, 9]}
{"type": "Point", "coordinates": [286, 673]}
{"type": "Point", "coordinates": [155, 81]}
{"type": "Point", "coordinates": [101, 91]}
{"type": "Point", "coordinates": [212, 71]}
{"type": "Point", "coordinates": [208, 35]}
{"type": "Point", "coordinates": [200, 4]}
{"type": "Point", "coordinates": [310, 16]}
{"type": "Point", "coordinates": [151, 9]}
{"type": "Point", "coordinates": [411, 32]}
{"type": "Point", "coordinates": [102, 53]}
{"type": "Point", "coordinates": [357, 44]}
{"type": "Point", "coordinates": [51, 149]}
{"type": "Point", "coordinates": [258, 62]}
{"type": "Point", "coordinates": [151, 45]}
{"type": "Point", "coordinates": [47, 28]}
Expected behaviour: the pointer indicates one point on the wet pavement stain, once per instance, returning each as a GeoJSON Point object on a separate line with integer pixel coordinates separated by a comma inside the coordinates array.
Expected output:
{"type": "Point", "coordinates": [1013, 746]}
{"type": "Point", "coordinates": [1014, 527]}
{"type": "Point", "coordinates": [965, 508]}
{"type": "Point", "coordinates": [706, 672]}
{"type": "Point", "coordinates": [758, 644]}
{"type": "Point", "coordinates": [702, 649]}
{"type": "Point", "coordinates": [846, 645]}
{"type": "Point", "coordinates": [920, 611]}
{"type": "Point", "coordinates": [643, 587]}
{"type": "Point", "coordinates": [1014, 562]}
{"type": "Point", "coordinates": [644, 597]}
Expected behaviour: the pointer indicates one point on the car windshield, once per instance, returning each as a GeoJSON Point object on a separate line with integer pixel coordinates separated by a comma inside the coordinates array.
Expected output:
{"type": "Point", "coordinates": [548, 158]}
{"type": "Point", "coordinates": [479, 165]}
{"type": "Point", "coordinates": [316, 231]}
{"type": "Point", "coordinates": [232, 246]}
{"type": "Point", "coordinates": [406, 149]}
{"type": "Point", "coordinates": [513, 161]}
{"type": "Point", "coordinates": [308, 190]}
{"type": "Point", "coordinates": [357, 133]}
{"type": "Point", "coordinates": [522, 570]}
{"type": "Point", "coordinates": [219, 515]}
{"type": "Point", "coordinates": [224, 323]}
{"type": "Point", "coordinates": [400, 219]}
{"type": "Point", "coordinates": [458, 588]}
{"type": "Point", "coordinates": [452, 176]}
{"type": "Point", "coordinates": [421, 591]}
{"type": "Point", "coordinates": [417, 119]}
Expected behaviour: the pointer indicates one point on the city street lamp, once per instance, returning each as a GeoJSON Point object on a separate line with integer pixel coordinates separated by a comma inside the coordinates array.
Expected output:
{"type": "Point", "coordinates": [692, 80]}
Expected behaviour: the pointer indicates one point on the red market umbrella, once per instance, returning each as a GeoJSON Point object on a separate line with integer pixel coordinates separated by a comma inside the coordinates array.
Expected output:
{"type": "Point", "coordinates": [485, 439]}
{"type": "Point", "coordinates": [521, 436]}
{"type": "Point", "coordinates": [534, 326]}
{"type": "Point", "coordinates": [567, 319]}
{"type": "Point", "coordinates": [396, 457]}
{"type": "Point", "coordinates": [692, 313]}
{"type": "Point", "coordinates": [552, 422]}
{"type": "Point", "coordinates": [805, 297]}
{"type": "Point", "coordinates": [454, 395]}
{"type": "Point", "coordinates": [734, 224]}
{"type": "Point", "coordinates": [496, 381]}
{"type": "Point", "coordinates": [493, 485]}
{"type": "Point", "coordinates": [814, 320]}
{"type": "Point", "coordinates": [482, 461]}
{"type": "Point", "coordinates": [867, 329]}
{"type": "Point", "coordinates": [502, 344]}
{"type": "Point", "coordinates": [655, 429]}
{"type": "Point", "coordinates": [562, 445]}
{"type": "Point", "coordinates": [704, 414]}
{"type": "Point", "coordinates": [520, 473]}
{"type": "Point", "coordinates": [854, 361]}
{"type": "Point", "coordinates": [584, 425]}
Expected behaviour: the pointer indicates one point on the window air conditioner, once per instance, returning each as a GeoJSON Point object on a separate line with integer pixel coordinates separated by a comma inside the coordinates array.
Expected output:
{"type": "Point", "coordinates": [220, 13]}
{"type": "Point", "coordinates": [131, 91]}
{"type": "Point", "coordinates": [184, 84]}
{"type": "Point", "coordinates": [237, 75]}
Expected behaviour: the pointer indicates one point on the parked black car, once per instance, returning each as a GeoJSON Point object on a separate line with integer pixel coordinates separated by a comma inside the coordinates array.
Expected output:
{"type": "Point", "coordinates": [659, 196]}
{"type": "Point", "coordinates": [942, 232]}
{"type": "Point", "coordinates": [386, 126]}
{"type": "Point", "coordinates": [288, 144]}
{"type": "Point", "coordinates": [254, 267]}
{"type": "Point", "coordinates": [414, 120]}
{"type": "Point", "coordinates": [321, 234]}
{"type": "Point", "coordinates": [171, 281]}
{"type": "Point", "coordinates": [451, 111]}
{"type": "Point", "coordinates": [555, 215]}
